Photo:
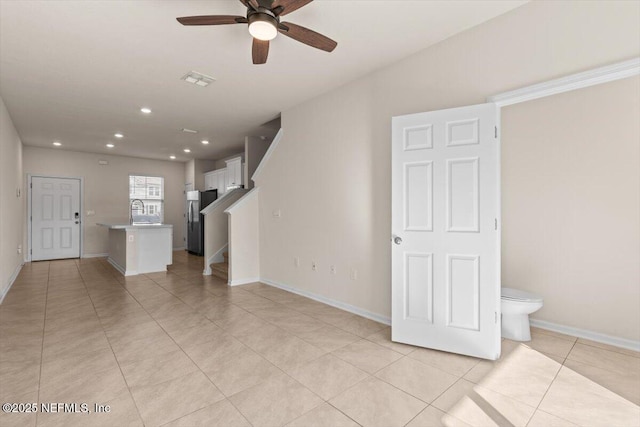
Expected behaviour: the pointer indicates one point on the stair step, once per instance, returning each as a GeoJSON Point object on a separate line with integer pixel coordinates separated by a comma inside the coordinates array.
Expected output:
{"type": "Point", "coordinates": [221, 270]}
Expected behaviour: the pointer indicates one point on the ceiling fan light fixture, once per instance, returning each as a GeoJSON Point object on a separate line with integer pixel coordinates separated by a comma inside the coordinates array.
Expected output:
{"type": "Point", "coordinates": [263, 26]}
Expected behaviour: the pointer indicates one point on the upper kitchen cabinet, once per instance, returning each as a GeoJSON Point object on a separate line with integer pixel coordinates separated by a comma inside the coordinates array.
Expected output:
{"type": "Point", "coordinates": [234, 173]}
{"type": "Point", "coordinates": [221, 177]}
{"type": "Point", "coordinates": [211, 180]}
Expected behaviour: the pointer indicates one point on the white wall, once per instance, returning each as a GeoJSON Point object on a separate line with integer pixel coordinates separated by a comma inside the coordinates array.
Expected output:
{"type": "Point", "coordinates": [106, 188]}
{"type": "Point", "coordinates": [12, 198]}
{"type": "Point", "coordinates": [330, 174]}
{"type": "Point", "coordinates": [254, 150]}
{"type": "Point", "coordinates": [244, 247]}
{"type": "Point", "coordinates": [571, 198]}
{"type": "Point", "coordinates": [221, 163]}
{"type": "Point", "coordinates": [195, 170]}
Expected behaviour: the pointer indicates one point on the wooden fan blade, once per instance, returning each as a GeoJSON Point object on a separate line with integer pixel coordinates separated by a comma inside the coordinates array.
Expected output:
{"type": "Point", "coordinates": [212, 20]}
{"type": "Point", "coordinates": [283, 7]}
{"type": "Point", "coordinates": [307, 36]}
{"type": "Point", "coordinates": [251, 3]}
{"type": "Point", "coordinates": [260, 51]}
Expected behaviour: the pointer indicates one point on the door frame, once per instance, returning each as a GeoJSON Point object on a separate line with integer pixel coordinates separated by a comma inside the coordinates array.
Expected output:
{"type": "Point", "coordinates": [27, 257]}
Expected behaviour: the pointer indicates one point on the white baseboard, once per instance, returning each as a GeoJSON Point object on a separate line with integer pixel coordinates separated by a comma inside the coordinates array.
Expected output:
{"type": "Point", "coordinates": [12, 279]}
{"type": "Point", "coordinates": [95, 255]}
{"type": "Point", "coordinates": [338, 304]}
{"type": "Point", "coordinates": [239, 282]}
{"type": "Point", "coordinates": [590, 335]}
{"type": "Point", "coordinates": [120, 268]}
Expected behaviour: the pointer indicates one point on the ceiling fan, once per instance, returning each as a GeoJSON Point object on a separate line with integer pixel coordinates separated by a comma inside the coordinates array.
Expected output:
{"type": "Point", "coordinates": [263, 17]}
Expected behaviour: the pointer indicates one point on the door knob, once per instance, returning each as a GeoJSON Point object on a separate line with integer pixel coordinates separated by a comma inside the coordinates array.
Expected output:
{"type": "Point", "coordinates": [77, 222]}
{"type": "Point", "coordinates": [397, 240]}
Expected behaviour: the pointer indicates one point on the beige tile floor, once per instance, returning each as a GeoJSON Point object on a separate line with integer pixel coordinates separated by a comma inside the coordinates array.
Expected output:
{"type": "Point", "coordinates": [180, 349]}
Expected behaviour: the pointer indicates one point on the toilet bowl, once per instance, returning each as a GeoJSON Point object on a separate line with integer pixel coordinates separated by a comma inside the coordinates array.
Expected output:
{"type": "Point", "coordinates": [516, 306]}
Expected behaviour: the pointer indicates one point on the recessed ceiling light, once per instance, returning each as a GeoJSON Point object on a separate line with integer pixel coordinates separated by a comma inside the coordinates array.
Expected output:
{"type": "Point", "coordinates": [57, 144]}
{"type": "Point", "coordinates": [118, 135]}
{"type": "Point", "coordinates": [110, 145]}
{"type": "Point", "coordinates": [146, 110]}
{"type": "Point", "coordinates": [198, 79]}
{"type": "Point", "coordinates": [205, 142]}
{"type": "Point", "coordinates": [172, 157]}
{"type": "Point", "coordinates": [186, 150]}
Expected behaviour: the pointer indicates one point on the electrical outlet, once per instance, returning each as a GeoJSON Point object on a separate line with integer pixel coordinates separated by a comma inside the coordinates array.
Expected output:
{"type": "Point", "coordinates": [354, 274]}
{"type": "Point", "coordinates": [277, 213]}
{"type": "Point", "coordinates": [314, 266]}
{"type": "Point", "coordinates": [296, 262]}
{"type": "Point", "coordinates": [19, 249]}
{"type": "Point", "coordinates": [333, 269]}
{"type": "Point", "coordinates": [131, 237]}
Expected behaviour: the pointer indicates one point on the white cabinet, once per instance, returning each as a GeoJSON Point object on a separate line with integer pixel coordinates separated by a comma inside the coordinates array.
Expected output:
{"type": "Point", "coordinates": [211, 180]}
{"type": "Point", "coordinates": [221, 177]}
{"type": "Point", "coordinates": [234, 172]}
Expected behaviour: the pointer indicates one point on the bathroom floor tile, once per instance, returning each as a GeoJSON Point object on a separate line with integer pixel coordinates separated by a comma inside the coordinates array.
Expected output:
{"type": "Point", "coordinates": [454, 364]}
{"type": "Point", "coordinates": [434, 417]}
{"type": "Point", "coordinates": [582, 401]}
{"type": "Point", "coordinates": [367, 356]}
{"type": "Point", "coordinates": [605, 359]}
{"type": "Point", "coordinates": [220, 414]}
{"type": "Point", "coordinates": [159, 403]}
{"type": "Point", "coordinates": [275, 402]}
{"type": "Point", "coordinates": [479, 406]}
{"type": "Point", "coordinates": [418, 379]}
{"type": "Point", "coordinates": [328, 376]}
{"type": "Point", "coordinates": [373, 402]}
{"type": "Point", "coordinates": [324, 415]}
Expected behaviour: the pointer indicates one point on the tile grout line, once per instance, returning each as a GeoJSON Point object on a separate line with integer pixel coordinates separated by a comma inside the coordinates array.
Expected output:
{"type": "Point", "coordinates": [135, 404]}
{"type": "Point", "coordinates": [198, 366]}
{"type": "Point", "coordinates": [551, 384]}
{"type": "Point", "coordinates": [44, 325]}
{"type": "Point", "coordinates": [184, 352]}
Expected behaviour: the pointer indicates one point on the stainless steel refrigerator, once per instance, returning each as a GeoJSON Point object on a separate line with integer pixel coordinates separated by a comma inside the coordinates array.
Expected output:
{"type": "Point", "coordinates": [196, 201]}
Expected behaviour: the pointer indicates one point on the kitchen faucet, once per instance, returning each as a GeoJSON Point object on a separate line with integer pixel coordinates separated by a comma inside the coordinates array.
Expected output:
{"type": "Point", "coordinates": [131, 209]}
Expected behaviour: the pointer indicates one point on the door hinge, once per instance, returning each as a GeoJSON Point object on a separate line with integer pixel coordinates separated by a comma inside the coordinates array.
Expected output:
{"type": "Point", "coordinates": [496, 316]}
{"type": "Point", "coordinates": [496, 223]}
{"type": "Point", "coordinates": [31, 185]}
{"type": "Point", "coordinates": [496, 131]}
{"type": "Point", "coordinates": [30, 251]}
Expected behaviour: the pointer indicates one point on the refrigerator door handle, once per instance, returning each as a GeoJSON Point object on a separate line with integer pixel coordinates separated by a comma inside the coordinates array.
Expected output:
{"type": "Point", "coordinates": [190, 215]}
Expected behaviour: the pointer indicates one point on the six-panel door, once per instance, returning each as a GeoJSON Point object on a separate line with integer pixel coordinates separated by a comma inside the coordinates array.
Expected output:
{"type": "Point", "coordinates": [445, 211]}
{"type": "Point", "coordinates": [55, 218]}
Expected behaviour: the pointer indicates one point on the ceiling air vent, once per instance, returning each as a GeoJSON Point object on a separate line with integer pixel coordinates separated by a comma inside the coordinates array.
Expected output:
{"type": "Point", "coordinates": [198, 79]}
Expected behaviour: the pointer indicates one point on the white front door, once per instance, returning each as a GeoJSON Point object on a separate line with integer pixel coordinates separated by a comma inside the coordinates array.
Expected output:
{"type": "Point", "coordinates": [446, 242]}
{"type": "Point", "coordinates": [55, 218]}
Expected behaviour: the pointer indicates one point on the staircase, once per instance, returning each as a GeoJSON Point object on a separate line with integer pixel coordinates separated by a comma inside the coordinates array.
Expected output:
{"type": "Point", "coordinates": [221, 269]}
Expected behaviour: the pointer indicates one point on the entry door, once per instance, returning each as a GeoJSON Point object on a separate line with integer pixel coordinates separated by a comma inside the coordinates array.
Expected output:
{"type": "Point", "coordinates": [55, 218]}
{"type": "Point", "coordinates": [446, 242]}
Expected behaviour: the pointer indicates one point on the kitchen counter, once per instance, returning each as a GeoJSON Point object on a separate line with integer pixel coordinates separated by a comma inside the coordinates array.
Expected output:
{"type": "Point", "coordinates": [133, 226]}
{"type": "Point", "coordinates": [140, 248]}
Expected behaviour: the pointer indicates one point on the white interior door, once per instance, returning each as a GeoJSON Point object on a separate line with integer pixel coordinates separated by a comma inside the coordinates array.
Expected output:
{"type": "Point", "coordinates": [55, 218]}
{"type": "Point", "coordinates": [446, 242]}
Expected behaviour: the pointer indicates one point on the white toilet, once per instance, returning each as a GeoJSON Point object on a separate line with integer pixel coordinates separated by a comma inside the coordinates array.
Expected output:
{"type": "Point", "coordinates": [516, 306]}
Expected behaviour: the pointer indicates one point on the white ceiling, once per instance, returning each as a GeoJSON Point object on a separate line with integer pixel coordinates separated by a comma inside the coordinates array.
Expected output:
{"type": "Point", "coordinates": [79, 71]}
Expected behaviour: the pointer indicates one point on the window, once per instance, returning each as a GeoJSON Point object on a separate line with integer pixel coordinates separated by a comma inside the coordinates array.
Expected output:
{"type": "Point", "coordinates": [149, 189]}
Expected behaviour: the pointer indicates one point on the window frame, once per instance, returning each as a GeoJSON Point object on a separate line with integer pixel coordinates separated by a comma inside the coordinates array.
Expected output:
{"type": "Point", "coordinates": [146, 198]}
